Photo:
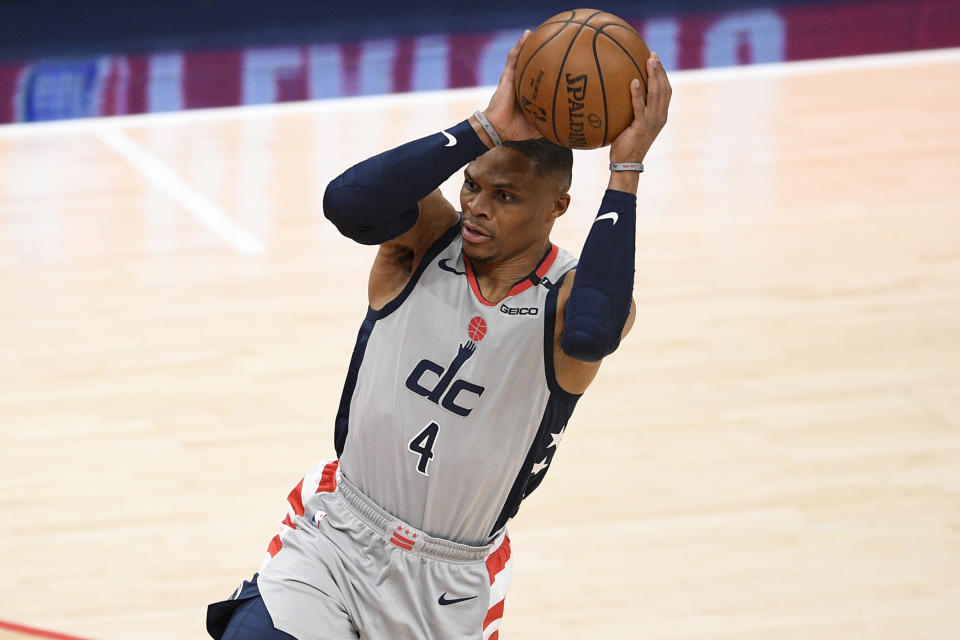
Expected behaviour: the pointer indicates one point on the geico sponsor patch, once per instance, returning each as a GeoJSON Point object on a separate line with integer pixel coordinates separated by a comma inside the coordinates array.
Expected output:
{"type": "Point", "coordinates": [519, 311]}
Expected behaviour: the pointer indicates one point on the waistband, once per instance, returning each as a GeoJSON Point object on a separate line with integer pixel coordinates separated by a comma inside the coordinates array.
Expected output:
{"type": "Point", "coordinates": [405, 536]}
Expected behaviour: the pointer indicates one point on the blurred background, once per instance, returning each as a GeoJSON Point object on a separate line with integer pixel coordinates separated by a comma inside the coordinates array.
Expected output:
{"type": "Point", "coordinates": [65, 59]}
{"type": "Point", "coordinates": [176, 315]}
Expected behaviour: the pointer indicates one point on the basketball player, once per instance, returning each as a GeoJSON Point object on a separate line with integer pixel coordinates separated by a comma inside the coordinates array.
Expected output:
{"type": "Point", "coordinates": [480, 337]}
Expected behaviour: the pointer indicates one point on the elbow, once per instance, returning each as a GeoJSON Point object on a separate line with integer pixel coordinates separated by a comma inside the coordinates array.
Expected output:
{"type": "Point", "coordinates": [337, 202]}
{"type": "Point", "coordinates": [358, 214]}
{"type": "Point", "coordinates": [589, 345]}
{"type": "Point", "coordinates": [590, 333]}
{"type": "Point", "coordinates": [347, 206]}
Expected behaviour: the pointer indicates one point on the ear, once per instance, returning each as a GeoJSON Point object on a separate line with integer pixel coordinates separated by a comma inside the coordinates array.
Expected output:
{"type": "Point", "coordinates": [560, 203]}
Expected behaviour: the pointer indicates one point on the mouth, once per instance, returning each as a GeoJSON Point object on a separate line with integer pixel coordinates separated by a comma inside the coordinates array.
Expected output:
{"type": "Point", "coordinates": [474, 234]}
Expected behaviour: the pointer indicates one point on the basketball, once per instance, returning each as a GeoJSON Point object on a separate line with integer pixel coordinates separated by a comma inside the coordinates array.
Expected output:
{"type": "Point", "coordinates": [573, 77]}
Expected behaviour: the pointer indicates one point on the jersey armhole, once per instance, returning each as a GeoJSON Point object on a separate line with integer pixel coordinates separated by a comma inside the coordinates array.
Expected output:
{"type": "Point", "coordinates": [435, 249]}
{"type": "Point", "coordinates": [549, 331]}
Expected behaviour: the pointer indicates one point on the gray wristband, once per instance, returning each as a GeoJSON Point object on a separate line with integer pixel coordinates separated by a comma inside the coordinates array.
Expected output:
{"type": "Point", "coordinates": [488, 128]}
{"type": "Point", "coordinates": [627, 166]}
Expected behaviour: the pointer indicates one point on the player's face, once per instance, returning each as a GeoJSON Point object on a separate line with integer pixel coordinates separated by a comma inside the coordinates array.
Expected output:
{"type": "Point", "coordinates": [509, 205]}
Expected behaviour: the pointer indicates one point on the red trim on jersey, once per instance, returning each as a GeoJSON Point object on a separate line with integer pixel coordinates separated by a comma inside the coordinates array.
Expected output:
{"type": "Point", "coordinates": [498, 559]}
{"type": "Point", "coordinates": [472, 279]}
{"type": "Point", "coordinates": [547, 262]}
{"type": "Point", "coordinates": [521, 286]}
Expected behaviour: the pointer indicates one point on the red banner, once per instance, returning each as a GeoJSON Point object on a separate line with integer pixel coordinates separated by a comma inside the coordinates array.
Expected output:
{"type": "Point", "coordinates": [168, 81]}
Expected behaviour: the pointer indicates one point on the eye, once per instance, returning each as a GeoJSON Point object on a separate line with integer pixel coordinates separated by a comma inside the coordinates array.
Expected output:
{"type": "Point", "coordinates": [469, 185]}
{"type": "Point", "coordinates": [505, 196]}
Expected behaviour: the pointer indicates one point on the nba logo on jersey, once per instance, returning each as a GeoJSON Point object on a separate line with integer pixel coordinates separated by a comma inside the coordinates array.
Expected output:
{"type": "Point", "coordinates": [447, 391]}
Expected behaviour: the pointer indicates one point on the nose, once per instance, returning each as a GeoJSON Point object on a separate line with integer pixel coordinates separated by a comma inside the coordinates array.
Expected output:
{"type": "Point", "coordinates": [478, 205]}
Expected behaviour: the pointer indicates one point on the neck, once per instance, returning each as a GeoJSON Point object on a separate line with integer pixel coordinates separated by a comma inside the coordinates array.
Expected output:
{"type": "Point", "coordinates": [495, 279]}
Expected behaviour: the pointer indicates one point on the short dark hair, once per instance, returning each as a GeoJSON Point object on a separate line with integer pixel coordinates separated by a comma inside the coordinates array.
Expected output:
{"type": "Point", "coordinates": [548, 155]}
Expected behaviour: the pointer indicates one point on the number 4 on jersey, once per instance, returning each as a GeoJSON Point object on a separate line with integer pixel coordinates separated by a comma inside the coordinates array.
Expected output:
{"type": "Point", "coordinates": [422, 444]}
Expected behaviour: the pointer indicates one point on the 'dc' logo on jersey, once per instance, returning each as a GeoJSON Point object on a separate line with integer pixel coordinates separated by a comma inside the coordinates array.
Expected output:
{"type": "Point", "coordinates": [446, 391]}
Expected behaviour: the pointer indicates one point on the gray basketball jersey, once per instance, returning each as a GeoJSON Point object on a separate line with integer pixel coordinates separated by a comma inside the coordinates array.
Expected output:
{"type": "Point", "coordinates": [451, 412]}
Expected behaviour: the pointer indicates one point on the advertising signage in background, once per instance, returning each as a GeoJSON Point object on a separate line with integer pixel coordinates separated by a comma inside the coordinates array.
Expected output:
{"type": "Point", "coordinates": [53, 89]}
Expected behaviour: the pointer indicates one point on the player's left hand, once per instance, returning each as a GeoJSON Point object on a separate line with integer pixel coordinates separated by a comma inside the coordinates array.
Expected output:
{"type": "Point", "coordinates": [648, 117]}
{"type": "Point", "coordinates": [504, 112]}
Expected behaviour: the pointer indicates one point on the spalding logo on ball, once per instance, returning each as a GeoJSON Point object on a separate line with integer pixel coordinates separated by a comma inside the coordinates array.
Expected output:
{"type": "Point", "coordinates": [573, 77]}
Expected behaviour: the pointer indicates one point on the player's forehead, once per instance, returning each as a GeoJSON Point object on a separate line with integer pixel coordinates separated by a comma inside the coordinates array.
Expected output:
{"type": "Point", "coordinates": [502, 166]}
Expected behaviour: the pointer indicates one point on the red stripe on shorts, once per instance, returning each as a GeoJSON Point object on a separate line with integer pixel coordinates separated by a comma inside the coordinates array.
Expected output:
{"type": "Point", "coordinates": [274, 546]}
{"type": "Point", "coordinates": [402, 539]}
{"type": "Point", "coordinates": [295, 500]}
{"type": "Point", "coordinates": [328, 483]}
{"type": "Point", "coordinates": [495, 564]}
{"type": "Point", "coordinates": [402, 542]}
{"type": "Point", "coordinates": [498, 559]}
{"type": "Point", "coordinates": [495, 613]}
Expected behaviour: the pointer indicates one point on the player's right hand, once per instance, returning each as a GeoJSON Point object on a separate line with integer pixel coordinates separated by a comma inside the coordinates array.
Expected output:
{"type": "Point", "coordinates": [504, 112]}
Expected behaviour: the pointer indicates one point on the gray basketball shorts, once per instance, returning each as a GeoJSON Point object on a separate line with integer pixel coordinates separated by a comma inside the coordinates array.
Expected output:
{"type": "Point", "coordinates": [344, 568]}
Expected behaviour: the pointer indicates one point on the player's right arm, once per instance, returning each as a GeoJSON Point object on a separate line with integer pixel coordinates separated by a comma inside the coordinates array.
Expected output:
{"type": "Point", "coordinates": [393, 199]}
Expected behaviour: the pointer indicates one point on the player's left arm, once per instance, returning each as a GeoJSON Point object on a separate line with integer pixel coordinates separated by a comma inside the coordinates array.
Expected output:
{"type": "Point", "coordinates": [575, 375]}
{"type": "Point", "coordinates": [595, 307]}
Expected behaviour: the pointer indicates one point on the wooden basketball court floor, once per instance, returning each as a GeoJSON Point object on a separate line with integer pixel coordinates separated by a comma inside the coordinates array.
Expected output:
{"type": "Point", "coordinates": [773, 453]}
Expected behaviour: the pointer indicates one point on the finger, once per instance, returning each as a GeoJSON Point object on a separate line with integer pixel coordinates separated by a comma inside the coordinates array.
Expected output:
{"type": "Point", "coordinates": [512, 56]}
{"type": "Point", "coordinates": [636, 96]}
{"type": "Point", "coordinates": [665, 81]}
{"type": "Point", "coordinates": [665, 92]}
{"type": "Point", "coordinates": [653, 85]}
{"type": "Point", "coordinates": [515, 50]}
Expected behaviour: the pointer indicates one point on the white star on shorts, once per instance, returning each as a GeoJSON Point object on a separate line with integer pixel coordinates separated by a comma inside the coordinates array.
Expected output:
{"type": "Point", "coordinates": [540, 466]}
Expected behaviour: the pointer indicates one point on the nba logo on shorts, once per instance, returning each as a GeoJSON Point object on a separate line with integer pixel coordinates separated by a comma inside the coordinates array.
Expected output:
{"type": "Point", "coordinates": [318, 517]}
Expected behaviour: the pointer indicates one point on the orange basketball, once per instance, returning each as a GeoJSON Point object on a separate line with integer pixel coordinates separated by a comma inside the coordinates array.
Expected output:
{"type": "Point", "coordinates": [573, 77]}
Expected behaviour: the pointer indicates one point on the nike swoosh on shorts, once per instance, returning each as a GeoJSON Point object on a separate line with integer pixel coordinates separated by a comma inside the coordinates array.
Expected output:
{"type": "Point", "coordinates": [451, 141]}
{"type": "Point", "coordinates": [444, 601]}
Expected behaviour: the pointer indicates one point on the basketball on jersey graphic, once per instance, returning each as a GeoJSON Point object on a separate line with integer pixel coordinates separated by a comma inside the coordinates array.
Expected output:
{"type": "Point", "coordinates": [477, 328]}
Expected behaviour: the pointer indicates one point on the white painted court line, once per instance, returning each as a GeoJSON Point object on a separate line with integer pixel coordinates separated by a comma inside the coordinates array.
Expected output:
{"type": "Point", "coordinates": [480, 95]}
{"type": "Point", "coordinates": [166, 180]}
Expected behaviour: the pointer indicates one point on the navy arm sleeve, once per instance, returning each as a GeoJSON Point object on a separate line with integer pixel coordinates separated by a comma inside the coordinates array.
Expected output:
{"type": "Point", "coordinates": [376, 200]}
{"type": "Point", "coordinates": [602, 292]}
